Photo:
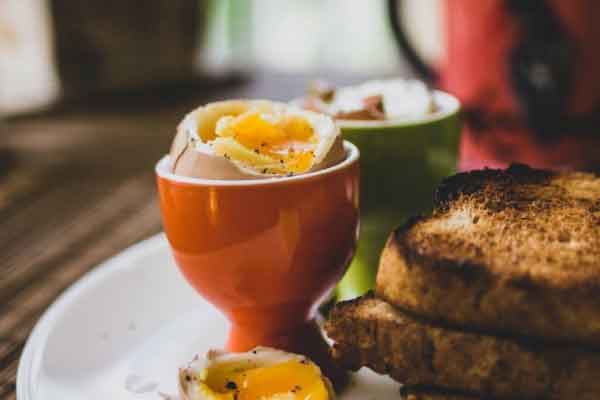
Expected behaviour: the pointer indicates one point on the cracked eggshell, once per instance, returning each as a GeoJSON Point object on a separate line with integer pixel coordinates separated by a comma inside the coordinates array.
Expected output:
{"type": "Point", "coordinates": [192, 157]}
{"type": "Point", "coordinates": [258, 357]}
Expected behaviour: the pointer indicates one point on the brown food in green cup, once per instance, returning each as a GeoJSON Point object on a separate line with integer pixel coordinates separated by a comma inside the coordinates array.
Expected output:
{"type": "Point", "coordinates": [402, 161]}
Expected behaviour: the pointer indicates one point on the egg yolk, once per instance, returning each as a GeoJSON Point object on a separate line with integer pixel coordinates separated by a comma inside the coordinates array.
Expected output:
{"type": "Point", "coordinates": [297, 380]}
{"type": "Point", "coordinates": [270, 144]}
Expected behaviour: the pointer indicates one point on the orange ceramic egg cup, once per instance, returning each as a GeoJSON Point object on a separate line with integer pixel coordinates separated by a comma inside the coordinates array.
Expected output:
{"type": "Point", "coordinates": [266, 252]}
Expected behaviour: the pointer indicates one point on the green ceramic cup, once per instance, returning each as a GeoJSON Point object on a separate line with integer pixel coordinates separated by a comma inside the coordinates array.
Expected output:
{"type": "Point", "coordinates": [401, 164]}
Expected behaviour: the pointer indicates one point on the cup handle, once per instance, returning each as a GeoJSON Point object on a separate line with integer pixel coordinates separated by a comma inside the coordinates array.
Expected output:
{"type": "Point", "coordinates": [406, 48]}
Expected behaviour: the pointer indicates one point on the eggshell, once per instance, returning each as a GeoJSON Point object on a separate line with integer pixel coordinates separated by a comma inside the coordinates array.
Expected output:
{"type": "Point", "coordinates": [261, 356]}
{"type": "Point", "coordinates": [191, 161]}
{"type": "Point", "coordinates": [197, 164]}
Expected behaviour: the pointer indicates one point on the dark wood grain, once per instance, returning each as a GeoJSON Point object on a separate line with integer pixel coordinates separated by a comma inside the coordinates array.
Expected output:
{"type": "Point", "coordinates": [77, 186]}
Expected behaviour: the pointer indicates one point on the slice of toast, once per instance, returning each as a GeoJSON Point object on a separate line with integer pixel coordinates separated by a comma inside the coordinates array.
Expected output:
{"type": "Point", "coordinates": [513, 251]}
{"type": "Point", "coordinates": [370, 332]}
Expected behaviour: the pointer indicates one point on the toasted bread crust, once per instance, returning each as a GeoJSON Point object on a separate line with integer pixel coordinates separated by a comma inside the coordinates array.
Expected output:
{"type": "Point", "coordinates": [512, 252]}
{"type": "Point", "coordinates": [370, 332]}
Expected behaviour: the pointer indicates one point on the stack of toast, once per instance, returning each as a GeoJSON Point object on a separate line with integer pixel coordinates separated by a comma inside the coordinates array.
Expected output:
{"type": "Point", "coordinates": [495, 295]}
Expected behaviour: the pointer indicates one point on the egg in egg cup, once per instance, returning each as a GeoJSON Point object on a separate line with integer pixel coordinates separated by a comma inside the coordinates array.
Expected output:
{"type": "Point", "coordinates": [265, 250]}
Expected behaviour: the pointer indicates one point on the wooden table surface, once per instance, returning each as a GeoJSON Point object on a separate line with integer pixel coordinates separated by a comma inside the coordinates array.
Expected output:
{"type": "Point", "coordinates": [77, 186]}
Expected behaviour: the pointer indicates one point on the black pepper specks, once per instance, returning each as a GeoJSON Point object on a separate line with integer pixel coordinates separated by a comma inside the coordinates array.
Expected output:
{"type": "Point", "coordinates": [230, 385]}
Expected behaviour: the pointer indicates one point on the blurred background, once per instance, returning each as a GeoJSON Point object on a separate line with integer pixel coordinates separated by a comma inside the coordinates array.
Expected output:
{"type": "Point", "coordinates": [53, 49]}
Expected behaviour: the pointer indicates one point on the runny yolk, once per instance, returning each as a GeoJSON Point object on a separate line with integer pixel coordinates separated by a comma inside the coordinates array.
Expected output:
{"type": "Point", "coordinates": [289, 380]}
{"type": "Point", "coordinates": [285, 145]}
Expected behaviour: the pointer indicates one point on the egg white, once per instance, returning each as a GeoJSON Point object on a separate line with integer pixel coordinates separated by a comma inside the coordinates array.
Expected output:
{"type": "Point", "coordinates": [402, 98]}
{"type": "Point", "coordinates": [322, 125]}
{"type": "Point", "coordinates": [256, 358]}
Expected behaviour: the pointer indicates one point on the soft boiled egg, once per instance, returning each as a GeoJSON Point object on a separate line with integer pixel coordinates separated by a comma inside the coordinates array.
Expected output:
{"type": "Point", "coordinates": [261, 374]}
{"type": "Point", "coordinates": [245, 139]}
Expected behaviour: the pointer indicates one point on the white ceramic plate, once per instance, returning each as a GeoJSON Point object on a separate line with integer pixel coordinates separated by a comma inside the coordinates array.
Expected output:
{"type": "Point", "coordinates": [121, 332]}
